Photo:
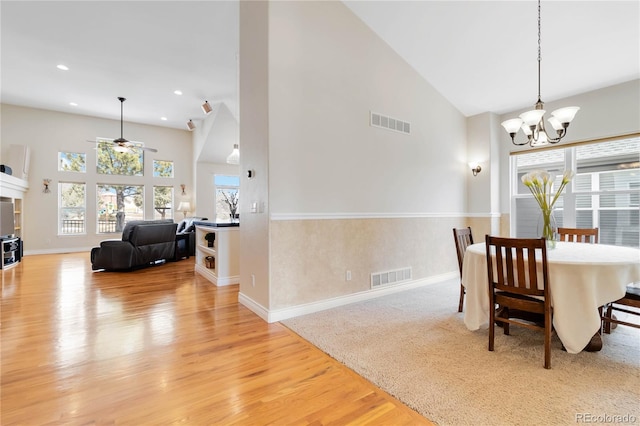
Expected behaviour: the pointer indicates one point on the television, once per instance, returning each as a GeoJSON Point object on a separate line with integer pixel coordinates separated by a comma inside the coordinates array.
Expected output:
{"type": "Point", "coordinates": [7, 221]}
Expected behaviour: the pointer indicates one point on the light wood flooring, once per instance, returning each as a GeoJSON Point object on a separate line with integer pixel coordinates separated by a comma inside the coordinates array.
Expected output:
{"type": "Point", "coordinates": [163, 346]}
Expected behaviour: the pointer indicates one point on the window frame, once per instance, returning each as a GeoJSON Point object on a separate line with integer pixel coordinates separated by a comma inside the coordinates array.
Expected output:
{"type": "Point", "coordinates": [61, 208]}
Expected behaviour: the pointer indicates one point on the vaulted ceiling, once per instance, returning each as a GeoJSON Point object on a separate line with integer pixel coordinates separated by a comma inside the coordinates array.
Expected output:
{"type": "Point", "coordinates": [481, 55]}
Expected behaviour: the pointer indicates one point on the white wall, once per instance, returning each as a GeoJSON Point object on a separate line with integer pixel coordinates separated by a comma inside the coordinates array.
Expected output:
{"type": "Point", "coordinates": [49, 132]}
{"type": "Point", "coordinates": [327, 70]}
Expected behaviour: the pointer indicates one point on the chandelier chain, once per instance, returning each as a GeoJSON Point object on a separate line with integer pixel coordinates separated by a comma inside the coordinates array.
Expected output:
{"type": "Point", "coordinates": [539, 51]}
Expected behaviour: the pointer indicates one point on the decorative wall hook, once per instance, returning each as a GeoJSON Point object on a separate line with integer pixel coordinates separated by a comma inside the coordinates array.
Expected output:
{"type": "Point", "coordinates": [45, 183]}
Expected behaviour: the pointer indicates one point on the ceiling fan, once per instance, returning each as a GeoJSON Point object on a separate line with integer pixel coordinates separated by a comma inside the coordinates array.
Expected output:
{"type": "Point", "coordinates": [121, 144]}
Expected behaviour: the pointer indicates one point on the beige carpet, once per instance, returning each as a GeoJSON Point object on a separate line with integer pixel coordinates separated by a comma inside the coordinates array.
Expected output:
{"type": "Point", "coordinates": [415, 346]}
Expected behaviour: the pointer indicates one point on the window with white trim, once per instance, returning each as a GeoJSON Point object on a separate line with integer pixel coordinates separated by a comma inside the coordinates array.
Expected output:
{"type": "Point", "coordinates": [604, 193]}
{"type": "Point", "coordinates": [227, 193]}
{"type": "Point", "coordinates": [72, 205]}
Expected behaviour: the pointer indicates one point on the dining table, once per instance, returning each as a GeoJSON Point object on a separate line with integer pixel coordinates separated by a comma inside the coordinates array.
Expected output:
{"type": "Point", "coordinates": [582, 278]}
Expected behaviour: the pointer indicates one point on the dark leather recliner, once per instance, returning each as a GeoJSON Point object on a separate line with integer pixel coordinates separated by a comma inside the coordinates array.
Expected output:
{"type": "Point", "coordinates": [144, 242]}
{"type": "Point", "coordinates": [186, 226]}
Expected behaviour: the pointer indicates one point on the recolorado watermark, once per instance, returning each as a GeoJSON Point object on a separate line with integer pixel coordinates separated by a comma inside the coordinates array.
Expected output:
{"type": "Point", "coordinates": [606, 418]}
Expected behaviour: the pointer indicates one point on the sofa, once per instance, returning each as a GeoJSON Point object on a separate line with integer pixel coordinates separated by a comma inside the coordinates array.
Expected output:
{"type": "Point", "coordinates": [143, 243]}
{"type": "Point", "coordinates": [187, 228]}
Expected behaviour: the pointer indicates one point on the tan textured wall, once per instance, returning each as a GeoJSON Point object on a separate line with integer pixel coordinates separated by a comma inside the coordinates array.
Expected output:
{"type": "Point", "coordinates": [505, 225]}
{"type": "Point", "coordinates": [309, 258]}
{"type": "Point", "coordinates": [480, 226]}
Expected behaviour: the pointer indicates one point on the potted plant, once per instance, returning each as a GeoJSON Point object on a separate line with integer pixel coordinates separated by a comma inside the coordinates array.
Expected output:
{"type": "Point", "coordinates": [210, 237]}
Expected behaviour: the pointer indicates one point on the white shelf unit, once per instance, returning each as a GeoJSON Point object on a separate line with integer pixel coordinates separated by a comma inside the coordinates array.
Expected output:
{"type": "Point", "coordinates": [223, 266]}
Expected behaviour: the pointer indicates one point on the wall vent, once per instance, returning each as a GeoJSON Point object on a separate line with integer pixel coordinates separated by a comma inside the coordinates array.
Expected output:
{"type": "Point", "coordinates": [389, 123]}
{"type": "Point", "coordinates": [379, 279]}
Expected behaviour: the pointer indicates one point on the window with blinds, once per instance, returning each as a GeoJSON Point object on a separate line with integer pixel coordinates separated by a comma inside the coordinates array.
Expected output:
{"type": "Point", "coordinates": [605, 192]}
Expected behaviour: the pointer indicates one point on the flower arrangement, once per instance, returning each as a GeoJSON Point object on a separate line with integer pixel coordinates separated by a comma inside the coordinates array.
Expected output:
{"type": "Point", "coordinates": [540, 183]}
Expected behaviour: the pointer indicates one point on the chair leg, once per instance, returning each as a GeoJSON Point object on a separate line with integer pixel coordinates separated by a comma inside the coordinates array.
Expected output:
{"type": "Point", "coordinates": [607, 323]}
{"type": "Point", "coordinates": [492, 325]}
{"type": "Point", "coordinates": [547, 347]}
{"type": "Point", "coordinates": [461, 298]}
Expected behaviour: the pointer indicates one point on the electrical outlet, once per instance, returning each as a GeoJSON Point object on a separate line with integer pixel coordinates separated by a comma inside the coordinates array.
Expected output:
{"type": "Point", "coordinates": [348, 275]}
{"type": "Point", "coordinates": [253, 280]}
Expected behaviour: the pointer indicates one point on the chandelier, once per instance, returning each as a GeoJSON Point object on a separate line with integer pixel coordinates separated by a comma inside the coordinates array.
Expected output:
{"type": "Point", "coordinates": [532, 122]}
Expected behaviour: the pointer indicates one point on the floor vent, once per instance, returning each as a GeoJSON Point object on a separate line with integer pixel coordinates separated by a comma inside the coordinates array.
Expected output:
{"type": "Point", "coordinates": [379, 120]}
{"type": "Point", "coordinates": [390, 277]}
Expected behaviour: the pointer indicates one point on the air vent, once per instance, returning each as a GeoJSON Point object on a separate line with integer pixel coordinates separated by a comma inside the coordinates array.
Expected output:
{"type": "Point", "coordinates": [390, 277]}
{"type": "Point", "coordinates": [389, 123]}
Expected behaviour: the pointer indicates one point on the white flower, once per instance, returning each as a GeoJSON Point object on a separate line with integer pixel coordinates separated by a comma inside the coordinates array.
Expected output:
{"type": "Point", "coordinates": [540, 183]}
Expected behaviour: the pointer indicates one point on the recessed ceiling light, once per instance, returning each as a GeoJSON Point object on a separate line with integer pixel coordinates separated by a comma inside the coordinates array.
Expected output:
{"type": "Point", "coordinates": [178, 92]}
{"type": "Point", "coordinates": [73, 104]}
{"type": "Point", "coordinates": [63, 67]}
{"type": "Point", "coordinates": [163, 118]}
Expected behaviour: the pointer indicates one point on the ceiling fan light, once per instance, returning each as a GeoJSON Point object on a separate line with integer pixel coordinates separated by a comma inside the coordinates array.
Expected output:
{"type": "Point", "coordinates": [565, 115]}
{"type": "Point", "coordinates": [120, 148]}
{"type": "Point", "coordinates": [532, 118]}
{"type": "Point", "coordinates": [206, 107]}
{"type": "Point", "coordinates": [234, 157]}
{"type": "Point", "coordinates": [513, 125]}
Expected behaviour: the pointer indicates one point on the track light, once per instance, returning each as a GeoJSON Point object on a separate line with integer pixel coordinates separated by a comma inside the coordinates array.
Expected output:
{"type": "Point", "coordinates": [206, 107]}
{"type": "Point", "coordinates": [191, 125]}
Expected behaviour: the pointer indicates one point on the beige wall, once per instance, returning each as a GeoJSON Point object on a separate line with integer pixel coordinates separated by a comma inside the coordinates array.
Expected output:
{"type": "Point", "coordinates": [310, 258]}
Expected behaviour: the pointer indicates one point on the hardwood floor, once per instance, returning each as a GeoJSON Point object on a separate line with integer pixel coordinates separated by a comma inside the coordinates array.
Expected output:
{"type": "Point", "coordinates": [163, 346]}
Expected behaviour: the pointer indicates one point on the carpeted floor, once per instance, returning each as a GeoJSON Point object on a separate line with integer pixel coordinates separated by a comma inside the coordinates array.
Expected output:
{"type": "Point", "coordinates": [415, 346]}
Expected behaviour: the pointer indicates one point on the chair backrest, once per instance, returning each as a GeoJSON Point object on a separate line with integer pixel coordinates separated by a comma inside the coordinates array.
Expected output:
{"type": "Point", "coordinates": [463, 238]}
{"type": "Point", "coordinates": [512, 265]}
{"type": "Point", "coordinates": [579, 235]}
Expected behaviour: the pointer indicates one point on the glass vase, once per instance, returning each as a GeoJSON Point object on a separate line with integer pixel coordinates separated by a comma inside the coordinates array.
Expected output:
{"type": "Point", "coordinates": [547, 228]}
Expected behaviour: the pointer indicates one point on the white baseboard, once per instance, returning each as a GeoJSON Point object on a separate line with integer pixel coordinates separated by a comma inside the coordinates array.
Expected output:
{"type": "Point", "coordinates": [321, 305]}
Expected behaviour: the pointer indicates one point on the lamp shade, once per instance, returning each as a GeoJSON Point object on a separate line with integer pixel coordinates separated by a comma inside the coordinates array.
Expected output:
{"type": "Point", "coordinates": [513, 125]}
{"type": "Point", "coordinates": [557, 125]}
{"type": "Point", "coordinates": [184, 206]}
{"type": "Point", "coordinates": [532, 118]}
{"type": "Point", "coordinates": [565, 115]}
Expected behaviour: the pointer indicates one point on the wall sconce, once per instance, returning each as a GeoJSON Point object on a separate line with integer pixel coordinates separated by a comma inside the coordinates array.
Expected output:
{"type": "Point", "coordinates": [191, 125]}
{"type": "Point", "coordinates": [184, 207]}
{"type": "Point", "coordinates": [475, 168]}
{"type": "Point", "coordinates": [206, 107]}
{"type": "Point", "coordinates": [182, 187]}
{"type": "Point", "coordinates": [45, 184]}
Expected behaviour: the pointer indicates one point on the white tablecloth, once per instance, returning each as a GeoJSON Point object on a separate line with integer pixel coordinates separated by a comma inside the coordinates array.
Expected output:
{"type": "Point", "coordinates": [582, 277]}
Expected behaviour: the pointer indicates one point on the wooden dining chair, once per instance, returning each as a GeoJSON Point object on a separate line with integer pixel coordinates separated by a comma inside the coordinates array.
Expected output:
{"type": "Point", "coordinates": [631, 299]}
{"type": "Point", "coordinates": [579, 235]}
{"type": "Point", "coordinates": [514, 284]}
{"type": "Point", "coordinates": [463, 238]}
